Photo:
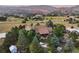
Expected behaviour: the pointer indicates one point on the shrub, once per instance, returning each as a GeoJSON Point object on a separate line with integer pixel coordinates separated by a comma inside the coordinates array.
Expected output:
{"type": "Point", "coordinates": [78, 25]}
{"type": "Point", "coordinates": [23, 21]}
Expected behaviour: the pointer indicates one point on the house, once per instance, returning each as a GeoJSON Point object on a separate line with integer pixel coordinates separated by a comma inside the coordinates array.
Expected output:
{"type": "Point", "coordinates": [42, 30]}
{"type": "Point", "coordinates": [71, 29]}
{"type": "Point", "coordinates": [76, 30]}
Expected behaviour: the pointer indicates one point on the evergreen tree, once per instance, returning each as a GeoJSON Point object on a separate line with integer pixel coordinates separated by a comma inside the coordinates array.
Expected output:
{"type": "Point", "coordinates": [35, 46]}
{"type": "Point", "coordinates": [59, 30]}
{"type": "Point", "coordinates": [23, 41]}
{"type": "Point", "coordinates": [53, 43]}
{"type": "Point", "coordinates": [50, 24]}
{"type": "Point", "coordinates": [74, 36]}
{"type": "Point", "coordinates": [11, 38]}
{"type": "Point", "coordinates": [69, 46]}
{"type": "Point", "coordinates": [30, 35]}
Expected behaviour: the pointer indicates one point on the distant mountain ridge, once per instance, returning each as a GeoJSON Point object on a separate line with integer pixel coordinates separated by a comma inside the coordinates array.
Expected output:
{"type": "Point", "coordinates": [39, 9]}
{"type": "Point", "coordinates": [26, 9]}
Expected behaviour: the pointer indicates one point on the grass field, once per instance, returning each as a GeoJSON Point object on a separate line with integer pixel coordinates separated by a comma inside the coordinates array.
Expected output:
{"type": "Point", "coordinates": [7, 25]}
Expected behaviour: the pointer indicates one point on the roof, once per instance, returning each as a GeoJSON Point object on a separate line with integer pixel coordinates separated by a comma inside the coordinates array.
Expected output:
{"type": "Point", "coordinates": [42, 29]}
{"type": "Point", "coordinates": [74, 29]}
{"type": "Point", "coordinates": [2, 35]}
{"type": "Point", "coordinates": [70, 29]}
{"type": "Point", "coordinates": [77, 30]}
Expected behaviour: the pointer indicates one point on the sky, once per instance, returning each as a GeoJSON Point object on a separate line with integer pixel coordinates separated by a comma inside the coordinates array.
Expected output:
{"type": "Point", "coordinates": [63, 6]}
{"type": "Point", "coordinates": [39, 2]}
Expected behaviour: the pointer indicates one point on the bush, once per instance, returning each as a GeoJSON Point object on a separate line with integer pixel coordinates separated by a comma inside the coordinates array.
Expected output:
{"type": "Point", "coordinates": [2, 50]}
{"type": "Point", "coordinates": [78, 25]}
{"type": "Point", "coordinates": [3, 18]}
{"type": "Point", "coordinates": [23, 21]}
{"type": "Point", "coordinates": [76, 44]}
{"type": "Point", "coordinates": [72, 27]}
{"type": "Point", "coordinates": [77, 21]}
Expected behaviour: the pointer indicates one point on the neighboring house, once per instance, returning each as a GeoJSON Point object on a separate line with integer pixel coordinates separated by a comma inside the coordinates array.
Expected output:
{"type": "Point", "coordinates": [71, 29]}
{"type": "Point", "coordinates": [76, 30]}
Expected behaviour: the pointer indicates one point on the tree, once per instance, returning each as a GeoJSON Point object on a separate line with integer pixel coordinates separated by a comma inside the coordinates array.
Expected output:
{"type": "Point", "coordinates": [3, 18]}
{"type": "Point", "coordinates": [30, 35]}
{"type": "Point", "coordinates": [23, 41]}
{"type": "Point", "coordinates": [78, 25]}
{"type": "Point", "coordinates": [69, 46]}
{"type": "Point", "coordinates": [72, 20]}
{"type": "Point", "coordinates": [74, 36]}
{"type": "Point", "coordinates": [11, 38]}
{"type": "Point", "coordinates": [26, 19]}
{"type": "Point", "coordinates": [53, 43]}
{"type": "Point", "coordinates": [37, 24]}
{"type": "Point", "coordinates": [35, 46]}
{"type": "Point", "coordinates": [50, 24]}
{"type": "Point", "coordinates": [59, 30]}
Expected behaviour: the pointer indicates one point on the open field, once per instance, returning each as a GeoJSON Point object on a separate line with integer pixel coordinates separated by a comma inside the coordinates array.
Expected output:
{"type": "Point", "coordinates": [7, 25]}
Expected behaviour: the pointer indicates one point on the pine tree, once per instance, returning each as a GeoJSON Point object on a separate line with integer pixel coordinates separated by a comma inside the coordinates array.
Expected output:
{"type": "Point", "coordinates": [59, 30]}
{"type": "Point", "coordinates": [11, 38]}
{"type": "Point", "coordinates": [23, 42]}
{"type": "Point", "coordinates": [53, 43]}
{"type": "Point", "coordinates": [50, 24]}
{"type": "Point", "coordinates": [30, 35]}
{"type": "Point", "coordinates": [35, 46]}
{"type": "Point", "coordinates": [69, 46]}
{"type": "Point", "coordinates": [74, 36]}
